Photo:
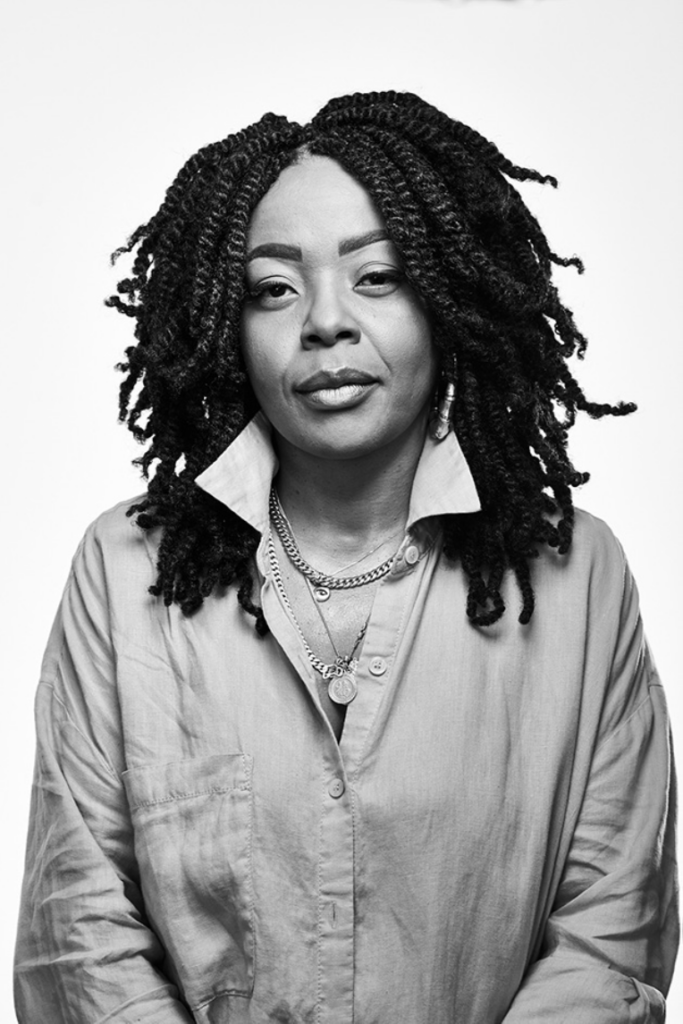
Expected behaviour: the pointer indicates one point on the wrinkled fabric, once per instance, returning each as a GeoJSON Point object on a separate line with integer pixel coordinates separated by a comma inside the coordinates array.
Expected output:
{"type": "Point", "coordinates": [491, 841]}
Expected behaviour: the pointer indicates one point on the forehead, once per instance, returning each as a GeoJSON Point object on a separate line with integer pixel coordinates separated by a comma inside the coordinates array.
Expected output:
{"type": "Point", "coordinates": [311, 200]}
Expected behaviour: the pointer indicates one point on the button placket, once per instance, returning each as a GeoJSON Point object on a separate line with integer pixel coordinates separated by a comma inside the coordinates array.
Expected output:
{"type": "Point", "coordinates": [335, 901]}
{"type": "Point", "coordinates": [337, 869]}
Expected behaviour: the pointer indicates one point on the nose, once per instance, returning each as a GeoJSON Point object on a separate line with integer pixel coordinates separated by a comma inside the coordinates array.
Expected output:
{"type": "Point", "coordinates": [328, 320]}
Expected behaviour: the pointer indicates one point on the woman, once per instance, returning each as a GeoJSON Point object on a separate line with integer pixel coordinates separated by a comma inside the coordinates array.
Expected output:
{"type": "Point", "coordinates": [358, 722]}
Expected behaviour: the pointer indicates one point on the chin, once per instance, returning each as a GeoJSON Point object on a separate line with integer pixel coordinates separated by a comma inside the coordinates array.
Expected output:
{"type": "Point", "coordinates": [343, 445]}
{"type": "Point", "coordinates": [344, 436]}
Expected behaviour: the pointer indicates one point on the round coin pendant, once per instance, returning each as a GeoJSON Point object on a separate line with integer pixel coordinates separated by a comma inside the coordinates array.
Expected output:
{"type": "Point", "coordinates": [342, 689]}
{"type": "Point", "coordinates": [321, 594]}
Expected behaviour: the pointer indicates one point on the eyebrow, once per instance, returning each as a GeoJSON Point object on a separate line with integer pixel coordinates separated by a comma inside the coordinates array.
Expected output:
{"type": "Point", "coordinates": [360, 241]}
{"type": "Point", "coordinates": [278, 251]}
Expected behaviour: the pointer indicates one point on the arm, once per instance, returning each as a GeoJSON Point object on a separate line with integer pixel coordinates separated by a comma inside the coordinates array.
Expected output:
{"type": "Point", "coordinates": [610, 941]}
{"type": "Point", "coordinates": [85, 952]}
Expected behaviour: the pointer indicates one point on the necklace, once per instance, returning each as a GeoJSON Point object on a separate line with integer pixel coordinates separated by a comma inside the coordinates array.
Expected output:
{"type": "Point", "coordinates": [349, 565]}
{"type": "Point", "coordinates": [316, 603]}
{"type": "Point", "coordinates": [340, 676]}
{"type": "Point", "coordinates": [322, 582]}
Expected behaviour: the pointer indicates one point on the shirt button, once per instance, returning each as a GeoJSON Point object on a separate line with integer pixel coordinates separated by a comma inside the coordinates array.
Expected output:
{"type": "Point", "coordinates": [336, 788]}
{"type": "Point", "coordinates": [411, 554]}
{"type": "Point", "coordinates": [378, 666]}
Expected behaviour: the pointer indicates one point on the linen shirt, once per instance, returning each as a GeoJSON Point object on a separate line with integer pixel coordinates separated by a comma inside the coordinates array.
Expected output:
{"type": "Point", "coordinates": [490, 841]}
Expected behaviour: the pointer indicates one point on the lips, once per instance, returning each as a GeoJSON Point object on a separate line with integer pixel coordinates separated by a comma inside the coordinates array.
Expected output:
{"type": "Point", "coordinates": [337, 389]}
{"type": "Point", "coordinates": [339, 377]}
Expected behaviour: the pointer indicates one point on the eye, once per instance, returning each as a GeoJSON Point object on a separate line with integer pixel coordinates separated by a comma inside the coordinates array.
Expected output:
{"type": "Point", "coordinates": [270, 294]}
{"type": "Point", "coordinates": [379, 282]}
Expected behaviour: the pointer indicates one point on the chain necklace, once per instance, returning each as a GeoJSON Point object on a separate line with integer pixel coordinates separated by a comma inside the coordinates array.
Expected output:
{"type": "Point", "coordinates": [322, 582]}
{"type": "Point", "coordinates": [349, 565]}
{"type": "Point", "coordinates": [340, 676]}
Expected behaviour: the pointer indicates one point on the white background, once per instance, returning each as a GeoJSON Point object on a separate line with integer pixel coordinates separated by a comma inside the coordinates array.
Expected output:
{"type": "Point", "coordinates": [102, 104]}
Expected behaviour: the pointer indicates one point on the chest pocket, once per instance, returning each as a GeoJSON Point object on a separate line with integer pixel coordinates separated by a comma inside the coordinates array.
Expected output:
{"type": "Point", "coordinates": [193, 823]}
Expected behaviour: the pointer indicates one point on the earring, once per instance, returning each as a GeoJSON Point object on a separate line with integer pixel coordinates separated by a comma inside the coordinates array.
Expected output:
{"type": "Point", "coordinates": [440, 420]}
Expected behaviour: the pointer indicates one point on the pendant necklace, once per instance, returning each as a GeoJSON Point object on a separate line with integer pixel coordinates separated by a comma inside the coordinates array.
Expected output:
{"type": "Point", "coordinates": [340, 676]}
{"type": "Point", "coordinates": [340, 687]}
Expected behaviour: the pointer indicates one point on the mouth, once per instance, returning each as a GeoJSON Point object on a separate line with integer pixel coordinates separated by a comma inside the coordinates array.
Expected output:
{"type": "Point", "coordinates": [339, 377]}
{"type": "Point", "coordinates": [339, 388]}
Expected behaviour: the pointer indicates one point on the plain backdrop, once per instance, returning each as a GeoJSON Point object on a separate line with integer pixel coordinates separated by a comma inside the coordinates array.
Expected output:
{"type": "Point", "coordinates": [102, 103]}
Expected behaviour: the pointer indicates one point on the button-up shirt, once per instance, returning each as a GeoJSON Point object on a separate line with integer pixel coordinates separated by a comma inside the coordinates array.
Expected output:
{"type": "Point", "coordinates": [491, 840]}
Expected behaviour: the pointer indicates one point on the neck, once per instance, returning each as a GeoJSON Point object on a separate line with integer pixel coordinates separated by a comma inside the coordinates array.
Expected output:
{"type": "Point", "coordinates": [340, 508]}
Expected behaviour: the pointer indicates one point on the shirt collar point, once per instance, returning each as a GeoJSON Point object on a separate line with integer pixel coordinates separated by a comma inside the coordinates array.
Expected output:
{"type": "Point", "coordinates": [242, 475]}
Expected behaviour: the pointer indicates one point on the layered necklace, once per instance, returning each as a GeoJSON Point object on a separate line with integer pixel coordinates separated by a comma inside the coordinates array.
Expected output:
{"type": "Point", "coordinates": [340, 675]}
{"type": "Point", "coordinates": [321, 582]}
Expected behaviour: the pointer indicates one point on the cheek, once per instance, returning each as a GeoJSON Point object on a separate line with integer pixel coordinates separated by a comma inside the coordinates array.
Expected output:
{"type": "Point", "coordinates": [424, 380]}
{"type": "Point", "coordinates": [261, 361]}
{"type": "Point", "coordinates": [419, 357]}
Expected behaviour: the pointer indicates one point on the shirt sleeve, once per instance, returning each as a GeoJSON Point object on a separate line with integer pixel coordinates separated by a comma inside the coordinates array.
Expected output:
{"type": "Point", "coordinates": [85, 952]}
{"type": "Point", "coordinates": [610, 941]}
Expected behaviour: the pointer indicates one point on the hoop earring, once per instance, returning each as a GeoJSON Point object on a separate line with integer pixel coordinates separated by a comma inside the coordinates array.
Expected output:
{"type": "Point", "coordinates": [440, 420]}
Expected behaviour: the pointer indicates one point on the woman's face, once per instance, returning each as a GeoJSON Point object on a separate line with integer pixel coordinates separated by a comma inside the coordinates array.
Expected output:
{"type": "Point", "coordinates": [337, 344]}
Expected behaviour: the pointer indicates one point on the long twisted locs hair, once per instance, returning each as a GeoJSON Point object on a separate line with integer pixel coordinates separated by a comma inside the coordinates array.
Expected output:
{"type": "Point", "coordinates": [472, 251]}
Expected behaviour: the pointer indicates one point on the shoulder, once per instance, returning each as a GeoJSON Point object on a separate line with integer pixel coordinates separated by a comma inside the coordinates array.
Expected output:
{"type": "Point", "coordinates": [115, 524]}
{"type": "Point", "coordinates": [107, 590]}
{"type": "Point", "coordinates": [115, 549]}
{"type": "Point", "coordinates": [594, 542]}
{"type": "Point", "coordinates": [594, 550]}
{"type": "Point", "coordinates": [588, 583]}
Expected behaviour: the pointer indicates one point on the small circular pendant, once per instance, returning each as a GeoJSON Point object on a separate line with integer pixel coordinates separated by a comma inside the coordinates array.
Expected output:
{"type": "Point", "coordinates": [321, 594]}
{"type": "Point", "coordinates": [342, 689]}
